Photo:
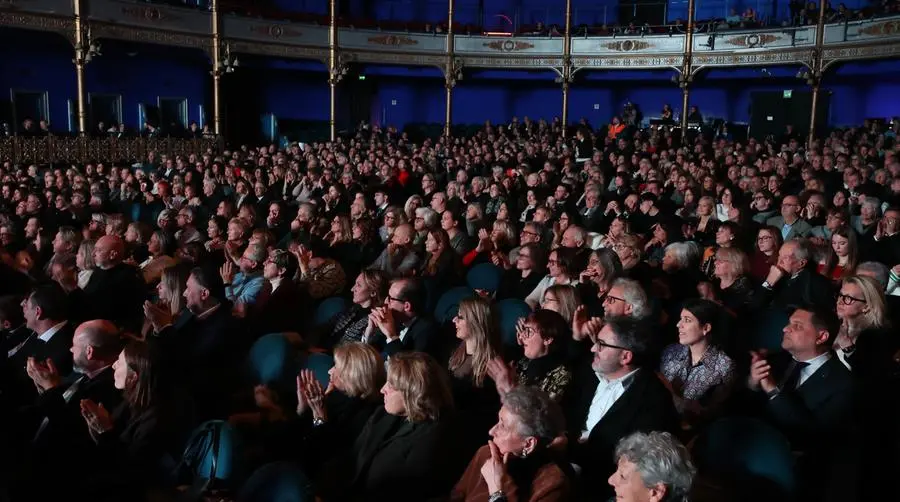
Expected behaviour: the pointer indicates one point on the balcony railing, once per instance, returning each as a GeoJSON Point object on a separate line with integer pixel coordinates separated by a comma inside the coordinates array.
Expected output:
{"type": "Point", "coordinates": [57, 149]}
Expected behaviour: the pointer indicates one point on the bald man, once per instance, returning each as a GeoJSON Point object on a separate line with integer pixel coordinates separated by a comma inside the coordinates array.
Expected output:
{"type": "Point", "coordinates": [399, 259]}
{"type": "Point", "coordinates": [54, 431]}
{"type": "Point", "coordinates": [116, 290]}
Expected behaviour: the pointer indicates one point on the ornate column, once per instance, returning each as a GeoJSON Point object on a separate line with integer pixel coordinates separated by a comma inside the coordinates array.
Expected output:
{"type": "Point", "coordinates": [686, 77]}
{"type": "Point", "coordinates": [336, 69]}
{"type": "Point", "coordinates": [450, 72]}
{"type": "Point", "coordinates": [217, 67]}
{"type": "Point", "coordinates": [567, 68]}
{"type": "Point", "coordinates": [83, 53]}
{"type": "Point", "coordinates": [814, 76]}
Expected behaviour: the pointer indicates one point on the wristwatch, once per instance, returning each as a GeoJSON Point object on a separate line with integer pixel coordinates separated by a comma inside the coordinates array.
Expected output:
{"type": "Point", "coordinates": [318, 422]}
{"type": "Point", "coordinates": [766, 285]}
{"type": "Point", "coordinates": [497, 496]}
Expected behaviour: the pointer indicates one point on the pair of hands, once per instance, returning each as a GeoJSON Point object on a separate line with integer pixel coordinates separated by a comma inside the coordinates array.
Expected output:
{"type": "Point", "coordinates": [760, 372]}
{"type": "Point", "coordinates": [383, 319]}
{"type": "Point", "coordinates": [310, 396]}
{"type": "Point", "coordinates": [43, 373]}
{"type": "Point", "coordinates": [96, 416]}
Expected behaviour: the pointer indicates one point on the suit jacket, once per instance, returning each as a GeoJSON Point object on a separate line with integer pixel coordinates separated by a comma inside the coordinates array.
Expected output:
{"type": "Point", "coordinates": [422, 335]}
{"type": "Point", "coordinates": [645, 406]}
{"type": "Point", "coordinates": [394, 459]}
{"type": "Point", "coordinates": [808, 287]}
{"type": "Point", "coordinates": [800, 228]}
{"type": "Point", "coordinates": [18, 388]}
{"type": "Point", "coordinates": [116, 294]}
{"type": "Point", "coordinates": [283, 310]}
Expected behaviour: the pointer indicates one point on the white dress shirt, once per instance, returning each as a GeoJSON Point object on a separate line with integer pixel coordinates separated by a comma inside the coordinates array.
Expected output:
{"type": "Point", "coordinates": [812, 366]}
{"type": "Point", "coordinates": [606, 395]}
{"type": "Point", "coordinates": [46, 336]}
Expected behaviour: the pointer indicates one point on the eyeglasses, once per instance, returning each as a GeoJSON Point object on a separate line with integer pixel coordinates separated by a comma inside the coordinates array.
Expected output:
{"type": "Point", "coordinates": [848, 300]}
{"type": "Point", "coordinates": [527, 332]}
{"type": "Point", "coordinates": [610, 299]}
{"type": "Point", "coordinates": [603, 345]}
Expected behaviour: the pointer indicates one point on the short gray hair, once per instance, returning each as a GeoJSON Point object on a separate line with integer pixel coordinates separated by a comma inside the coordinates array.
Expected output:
{"type": "Point", "coordinates": [634, 294]}
{"type": "Point", "coordinates": [429, 216]}
{"type": "Point", "coordinates": [875, 269]}
{"type": "Point", "coordinates": [659, 458]}
{"type": "Point", "coordinates": [537, 413]}
{"type": "Point", "coordinates": [686, 254]}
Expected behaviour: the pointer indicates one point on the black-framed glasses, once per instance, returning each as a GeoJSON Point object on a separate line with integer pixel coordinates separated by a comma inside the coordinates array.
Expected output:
{"type": "Point", "coordinates": [603, 345]}
{"type": "Point", "coordinates": [848, 300]}
{"type": "Point", "coordinates": [394, 298]}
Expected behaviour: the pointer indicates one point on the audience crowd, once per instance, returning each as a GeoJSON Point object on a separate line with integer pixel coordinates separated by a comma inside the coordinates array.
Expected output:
{"type": "Point", "coordinates": [521, 314]}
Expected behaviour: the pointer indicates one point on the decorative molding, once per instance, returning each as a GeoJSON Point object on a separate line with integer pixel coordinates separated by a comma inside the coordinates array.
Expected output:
{"type": "Point", "coordinates": [279, 50]}
{"type": "Point", "coordinates": [396, 58]}
{"type": "Point", "coordinates": [628, 61]}
{"type": "Point", "coordinates": [885, 29]}
{"type": "Point", "coordinates": [860, 52]}
{"type": "Point", "coordinates": [149, 14]}
{"type": "Point", "coordinates": [753, 40]}
{"type": "Point", "coordinates": [52, 149]}
{"type": "Point", "coordinates": [393, 40]}
{"type": "Point", "coordinates": [275, 31]}
{"type": "Point", "coordinates": [628, 45]}
{"type": "Point", "coordinates": [42, 22]}
{"type": "Point", "coordinates": [149, 35]}
{"type": "Point", "coordinates": [513, 62]}
{"type": "Point", "coordinates": [508, 45]}
{"type": "Point", "coordinates": [756, 58]}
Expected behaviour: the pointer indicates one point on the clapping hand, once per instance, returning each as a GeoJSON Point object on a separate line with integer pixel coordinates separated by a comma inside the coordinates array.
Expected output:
{"type": "Point", "coordinates": [583, 326]}
{"type": "Point", "coordinates": [313, 393]}
{"type": "Point", "coordinates": [97, 417]}
{"type": "Point", "coordinates": [503, 374]}
{"type": "Point", "coordinates": [159, 316]}
{"type": "Point", "coordinates": [43, 374]}
{"type": "Point", "coordinates": [384, 320]}
{"type": "Point", "coordinates": [760, 372]}
{"type": "Point", "coordinates": [227, 272]}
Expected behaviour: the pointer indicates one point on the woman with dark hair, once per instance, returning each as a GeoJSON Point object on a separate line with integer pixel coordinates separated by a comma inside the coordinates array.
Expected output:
{"type": "Point", "coordinates": [842, 256]}
{"type": "Point", "coordinates": [407, 450]}
{"type": "Point", "coordinates": [365, 238]}
{"type": "Point", "coordinates": [562, 269]}
{"type": "Point", "coordinates": [543, 337]}
{"type": "Point", "coordinates": [697, 372]}
{"type": "Point", "coordinates": [135, 438]}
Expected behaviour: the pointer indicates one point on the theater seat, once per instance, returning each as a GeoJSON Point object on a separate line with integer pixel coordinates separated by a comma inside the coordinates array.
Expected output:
{"type": "Point", "coordinates": [750, 458]}
{"type": "Point", "coordinates": [767, 332]}
{"type": "Point", "coordinates": [509, 312]}
{"type": "Point", "coordinates": [485, 276]}
{"type": "Point", "coordinates": [448, 303]}
{"type": "Point", "coordinates": [329, 308]}
{"type": "Point", "coordinates": [273, 361]}
{"type": "Point", "coordinates": [319, 363]}
{"type": "Point", "coordinates": [277, 482]}
{"type": "Point", "coordinates": [212, 458]}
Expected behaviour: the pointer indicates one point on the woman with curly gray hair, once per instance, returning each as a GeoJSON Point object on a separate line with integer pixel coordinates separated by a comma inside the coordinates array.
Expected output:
{"type": "Point", "coordinates": [521, 460]}
{"type": "Point", "coordinates": [652, 466]}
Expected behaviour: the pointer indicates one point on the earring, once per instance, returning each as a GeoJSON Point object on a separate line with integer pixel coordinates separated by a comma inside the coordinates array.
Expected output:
{"type": "Point", "coordinates": [524, 453]}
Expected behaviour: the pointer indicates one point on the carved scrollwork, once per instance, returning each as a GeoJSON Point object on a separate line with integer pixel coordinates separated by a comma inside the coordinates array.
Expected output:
{"type": "Point", "coordinates": [393, 40]}
{"type": "Point", "coordinates": [149, 14]}
{"type": "Point", "coordinates": [887, 28]}
{"type": "Point", "coordinates": [753, 40]}
{"type": "Point", "coordinates": [628, 45]}
{"type": "Point", "coordinates": [509, 45]}
{"type": "Point", "coordinates": [275, 31]}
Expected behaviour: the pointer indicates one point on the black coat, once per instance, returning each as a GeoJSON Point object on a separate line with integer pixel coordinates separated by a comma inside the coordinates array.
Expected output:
{"type": "Point", "coordinates": [18, 389]}
{"type": "Point", "coordinates": [116, 294]}
{"type": "Point", "coordinates": [394, 459]}
{"type": "Point", "coordinates": [423, 335]}
{"type": "Point", "coordinates": [645, 406]}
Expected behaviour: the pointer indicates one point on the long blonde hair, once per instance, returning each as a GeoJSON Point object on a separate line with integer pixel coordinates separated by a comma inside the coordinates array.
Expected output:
{"type": "Point", "coordinates": [422, 383]}
{"type": "Point", "coordinates": [481, 322]}
{"type": "Point", "coordinates": [876, 316]}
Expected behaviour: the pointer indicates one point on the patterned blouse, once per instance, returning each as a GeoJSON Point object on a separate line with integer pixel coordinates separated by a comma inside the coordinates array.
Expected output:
{"type": "Point", "coordinates": [715, 369]}
{"type": "Point", "coordinates": [549, 373]}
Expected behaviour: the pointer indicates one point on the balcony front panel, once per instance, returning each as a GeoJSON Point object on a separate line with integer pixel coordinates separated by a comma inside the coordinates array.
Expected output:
{"type": "Point", "coordinates": [279, 32]}
{"type": "Point", "coordinates": [869, 31]}
{"type": "Point", "coordinates": [388, 42]}
{"type": "Point", "coordinates": [508, 46]}
{"type": "Point", "coordinates": [618, 46]}
{"type": "Point", "coordinates": [52, 7]}
{"type": "Point", "coordinates": [143, 15]}
{"type": "Point", "coordinates": [755, 41]}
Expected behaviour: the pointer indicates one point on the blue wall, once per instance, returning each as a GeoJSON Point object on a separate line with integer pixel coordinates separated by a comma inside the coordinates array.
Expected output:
{"type": "Point", "coordinates": [43, 62]}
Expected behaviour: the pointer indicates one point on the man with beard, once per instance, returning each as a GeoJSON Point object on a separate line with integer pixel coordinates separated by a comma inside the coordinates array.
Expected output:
{"type": "Point", "coordinates": [200, 347]}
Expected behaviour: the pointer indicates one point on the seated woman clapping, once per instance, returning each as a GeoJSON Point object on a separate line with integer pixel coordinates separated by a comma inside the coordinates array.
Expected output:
{"type": "Point", "coordinates": [521, 461]}
{"type": "Point", "coordinates": [407, 450]}
{"type": "Point", "coordinates": [543, 336]}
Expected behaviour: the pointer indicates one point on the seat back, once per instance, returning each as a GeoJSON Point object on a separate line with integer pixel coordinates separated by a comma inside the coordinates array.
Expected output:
{"type": "Point", "coordinates": [749, 456]}
{"type": "Point", "coordinates": [510, 311]}
{"type": "Point", "coordinates": [448, 303]}
{"type": "Point", "coordinates": [485, 276]}
{"type": "Point", "coordinates": [273, 360]}
{"type": "Point", "coordinates": [211, 458]}
{"type": "Point", "coordinates": [277, 482]}
{"type": "Point", "coordinates": [319, 363]}
{"type": "Point", "coordinates": [328, 309]}
{"type": "Point", "coordinates": [767, 331]}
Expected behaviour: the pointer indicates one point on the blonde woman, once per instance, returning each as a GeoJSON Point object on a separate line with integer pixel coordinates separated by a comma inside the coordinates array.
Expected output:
{"type": "Point", "coordinates": [474, 392]}
{"type": "Point", "coordinates": [865, 342]}
{"type": "Point", "coordinates": [562, 299]}
{"type": "Point", "coordinates": [406, 450]}
{"type": "Point", "coordinates": [170, 292]}
{"type": "Point", "coordinates": [84, 260]}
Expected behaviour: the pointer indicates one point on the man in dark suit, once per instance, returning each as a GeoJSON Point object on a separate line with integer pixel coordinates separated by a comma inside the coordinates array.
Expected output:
{"type": "Point", "coordinates": [792, 280]}
{"type": "Point", "coordinates": [810, 397]}
{"type": "Point", "coordinates": [116, 290]}
{"type": "Point", "coordinates": [55, 428]}
{"type": "Point", "coordinates": [200, 348]}
{"type": "Point", "coordinates": [617, 398]}
{"type": "Point", "coordinates": [402, 322]}
{"type": "Point", "coordinates": [50, 339]}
